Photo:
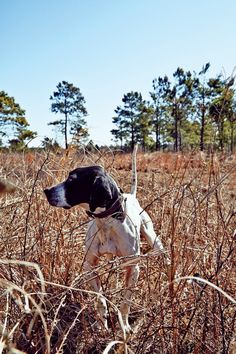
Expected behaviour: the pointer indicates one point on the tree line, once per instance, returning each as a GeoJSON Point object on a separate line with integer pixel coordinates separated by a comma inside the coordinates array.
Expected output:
{"type": "Point", "coordinates": [188, 112]}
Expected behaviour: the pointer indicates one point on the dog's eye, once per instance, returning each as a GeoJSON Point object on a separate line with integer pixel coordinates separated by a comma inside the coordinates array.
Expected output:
{"type": "Point", "coordinates": [71, 178]}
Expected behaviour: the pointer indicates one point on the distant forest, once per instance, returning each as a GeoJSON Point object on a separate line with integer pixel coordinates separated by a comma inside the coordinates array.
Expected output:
{"type": "Point", "coordinates": [191, 110]}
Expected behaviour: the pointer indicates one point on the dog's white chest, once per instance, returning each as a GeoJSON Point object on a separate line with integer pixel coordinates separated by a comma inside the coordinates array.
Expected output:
{"type": "Point", "coordinates": [105, 237]}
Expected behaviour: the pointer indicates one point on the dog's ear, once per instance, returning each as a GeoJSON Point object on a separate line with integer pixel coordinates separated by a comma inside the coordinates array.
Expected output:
{"type": "Point", "coordinates": [101, 193]}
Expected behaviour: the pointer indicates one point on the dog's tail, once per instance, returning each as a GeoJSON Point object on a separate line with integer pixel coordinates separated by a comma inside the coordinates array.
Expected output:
{"type": "Point", "coordinates": [134, 171]}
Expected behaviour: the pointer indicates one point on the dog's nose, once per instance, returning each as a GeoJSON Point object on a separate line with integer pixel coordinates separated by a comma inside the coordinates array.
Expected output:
{"type": "Point", "coordinates": [46, 191]}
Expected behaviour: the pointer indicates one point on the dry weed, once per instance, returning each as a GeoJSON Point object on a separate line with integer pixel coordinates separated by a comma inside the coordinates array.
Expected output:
{"type": "Point", "coordinates": [46, 304]}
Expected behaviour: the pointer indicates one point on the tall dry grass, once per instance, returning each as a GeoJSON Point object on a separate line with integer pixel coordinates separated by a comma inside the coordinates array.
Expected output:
{"type": "Point", "coordinates": [46, 303]}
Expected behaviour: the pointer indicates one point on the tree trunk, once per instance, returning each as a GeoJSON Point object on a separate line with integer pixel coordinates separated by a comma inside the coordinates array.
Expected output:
{"type": "Point", "coordinates": [221, 134]}
{"type": "Point", "coordinates": [180, 121]}
{"type": "Point", "coordinates": [180, 137]}
{"type": "Point", "coordinates": [65, 133]}
{"type": "Point", "coordinates": [157, 132]}
{"type": "Point", "coordinates": [202, 131]}
{"type": "Point", "coordinates": [177, 134]}
{"type": "Point", "coordinates": [176, 128]}
{"type": "Point", "coordinates": [158, 145]}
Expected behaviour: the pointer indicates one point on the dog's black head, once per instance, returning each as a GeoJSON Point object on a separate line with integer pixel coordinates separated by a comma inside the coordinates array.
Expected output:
{"type": "Point", "coordinates": [84, 185]}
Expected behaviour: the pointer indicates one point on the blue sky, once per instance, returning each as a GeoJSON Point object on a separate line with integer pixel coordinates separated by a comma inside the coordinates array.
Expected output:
{"type": "Point", "coordinates": [107, 48]}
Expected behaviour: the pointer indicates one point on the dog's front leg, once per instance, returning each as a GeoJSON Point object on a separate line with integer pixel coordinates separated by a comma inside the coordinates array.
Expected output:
{"type": "Point", "coordinates": [147, 231]}
{"type": "Point", "coordinates": [95, 283]}
{"type": "Point", "coordinates": [131, 278]}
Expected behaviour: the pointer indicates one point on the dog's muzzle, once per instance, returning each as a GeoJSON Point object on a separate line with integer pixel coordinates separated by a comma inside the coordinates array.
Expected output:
{"type": "Point", "coordinates": [50, 198]}
{"type": "Point", "coordinates": [56, 197]}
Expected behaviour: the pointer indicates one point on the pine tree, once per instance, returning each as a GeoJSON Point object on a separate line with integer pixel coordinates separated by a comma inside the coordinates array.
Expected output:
{"type": "Point", "coordinates": [221, 108]}
{"type": "Point", "coordinates": [69, 101]}
{"type": "Point", "coordinates": [13, 123]}
{"type": "Point", "coordinates": [127, 117]}
{"type": "Point", "coordinates": [202, 100]}
{"type": "Point", "coordinates": [161, 87]}
{"type": "Point", "coordinates": [180, 100]}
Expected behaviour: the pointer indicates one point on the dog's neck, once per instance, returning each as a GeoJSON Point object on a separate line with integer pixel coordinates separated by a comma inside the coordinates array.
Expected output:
{"type": "Point", "coordinates": [113, 208]}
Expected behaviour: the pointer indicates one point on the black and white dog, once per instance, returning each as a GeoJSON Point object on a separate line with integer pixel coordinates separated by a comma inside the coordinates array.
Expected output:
{"type": "Point", "coordinates": [118, 221]}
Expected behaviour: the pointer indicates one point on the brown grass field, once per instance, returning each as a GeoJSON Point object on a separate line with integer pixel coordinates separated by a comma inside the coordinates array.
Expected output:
{"type": "Point", "coordinates": [46, 303]}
